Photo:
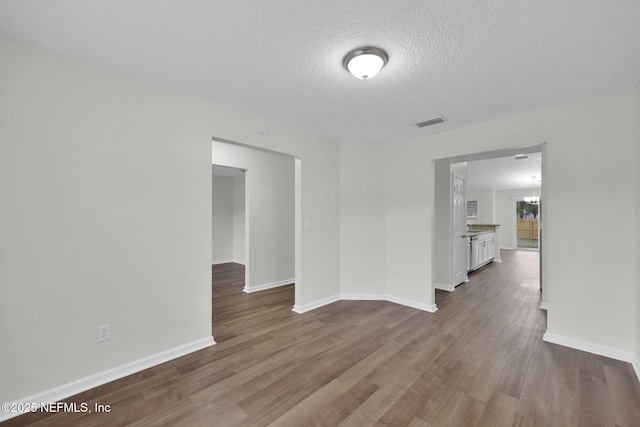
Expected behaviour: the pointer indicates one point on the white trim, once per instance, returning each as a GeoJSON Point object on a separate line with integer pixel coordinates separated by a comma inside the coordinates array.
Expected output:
{"type": "Point", "coordinates": [63, 391]}
{"type": "Point", "coordinates": [300, 309]}
{"type": "Point", "coordinates": [543, 306]}
{"type": "Point", "coordinates": [227, 261]}
{"type": "Point", "coordinates": [448, 288]}
{"type": "Point", "coordinates": [265, 286]}
{"type": "Point", "coordinates": [365, 297]}
{"type": "Point", "coordinates": [384, 297]}
{"type": "Point", "coordinates": [598, 349]}
{"type": "Point", "coordinates": [413, 304]}
{"type": "Point", "coordinates": [221, 261]}
{"type": "Point", "coordinates": [636, 366]}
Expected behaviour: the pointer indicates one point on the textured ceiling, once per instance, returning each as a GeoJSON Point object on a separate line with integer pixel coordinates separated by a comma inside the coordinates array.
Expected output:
{"type": "Point", "coordinates": [466, 61]}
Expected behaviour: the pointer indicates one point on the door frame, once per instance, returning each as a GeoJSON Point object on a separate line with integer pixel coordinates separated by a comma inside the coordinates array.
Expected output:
{"type": "Point", "coordinates": [537, 148]}
{"type": "Point", "coordinates": [298, 284]}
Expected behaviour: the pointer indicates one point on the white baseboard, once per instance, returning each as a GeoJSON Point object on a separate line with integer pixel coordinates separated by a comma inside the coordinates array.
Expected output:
{"type": "Point", "coordinates": [598, 349]}
{"type": "Point", "coordinates": [83, 384]}
{"type": "Point", "coordinates": [227, 261]}
{"type": "Point", "coordinates": [366, 297]}
{"type": "Point", "coordinates": [221, 261]}
{"type": "Point", "coordinates": [448, 288]}
{"type": "Point", "coordinates": [265, 286]}
{"type": "Point", "coordinates": [543, 306]}
{"type": "Point", "coordinates": [300, 309]}
{"type": "Point", "coordinates": [636, 366]}
{"type": "Point", "coordinates": [413, 304]}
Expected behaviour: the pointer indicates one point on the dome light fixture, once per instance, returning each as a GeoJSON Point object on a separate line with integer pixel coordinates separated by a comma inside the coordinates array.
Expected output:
{"type": "Point", "coordinates": [365, 62]}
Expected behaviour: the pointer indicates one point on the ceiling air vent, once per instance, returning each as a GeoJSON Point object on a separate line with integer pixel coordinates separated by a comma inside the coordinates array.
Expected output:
{"type": "Point", "coordinates": [430, 122]}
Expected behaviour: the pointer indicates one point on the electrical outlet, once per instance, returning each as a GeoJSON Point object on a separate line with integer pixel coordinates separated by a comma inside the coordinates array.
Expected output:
{"type": "Point", "coordinates": [104, 333]}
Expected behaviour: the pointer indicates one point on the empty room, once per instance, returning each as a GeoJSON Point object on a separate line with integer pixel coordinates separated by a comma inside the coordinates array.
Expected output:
{"type": "Point", "coordinates": [439, 239]}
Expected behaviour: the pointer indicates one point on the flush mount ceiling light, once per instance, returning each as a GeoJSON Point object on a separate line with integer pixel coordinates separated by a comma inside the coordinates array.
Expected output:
{"type": "Point", "coordinates": [365, 62]}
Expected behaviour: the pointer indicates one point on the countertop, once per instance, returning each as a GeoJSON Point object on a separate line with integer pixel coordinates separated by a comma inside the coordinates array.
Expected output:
{"type": "Point", "coordinates": [478, 229]}
{"type": "Point", "coordinates": [476, 233]}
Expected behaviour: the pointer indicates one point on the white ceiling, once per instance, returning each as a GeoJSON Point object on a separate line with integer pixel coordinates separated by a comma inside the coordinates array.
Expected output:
{"type": "Point", "coordinates": [505, 173]}
{"type": "Point", "coordinates": [466, 61]}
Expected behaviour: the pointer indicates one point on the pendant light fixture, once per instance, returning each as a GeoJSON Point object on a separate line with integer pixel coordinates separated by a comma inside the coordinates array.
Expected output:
{"type": "Point", "coordinates": [365, 62]}
{"type": "Point", "coordinates": [533, 199]}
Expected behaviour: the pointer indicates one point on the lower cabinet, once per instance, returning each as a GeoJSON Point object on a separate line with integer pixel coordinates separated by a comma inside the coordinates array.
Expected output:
{"type": "Point", "coordinates": [485, 252]}
{"type": "Point", "coordinates": [492, 247]}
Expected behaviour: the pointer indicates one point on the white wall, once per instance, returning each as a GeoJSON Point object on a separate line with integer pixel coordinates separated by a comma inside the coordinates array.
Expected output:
{"type": "Point", "coordinates": [105, 184]}
{"type": "Point", "coordinates": [228, 220]}
{"type": "Point", "coordinates": [222, 220]}
{"type": "Point", "coordinates": [637, 118]}
{"type": "Point", "coordinates": [591, 294]}
{"type": "Point", "coordinates": [486, 206]}
{"type": "Point", "coordinates": [239, 219]}
{"type": "Point", "coordinates": [369, 268]}
{"type": "Point", "coordinates": [409, 194]}
{"type": "Point", "coordinates": [443, 225]}
{"type": "Point", "coordinates": [505, 214]}
{"type": "Point", "coordinates": [362, 199]}
{"type": "Point", "coordinates": [270, 183]}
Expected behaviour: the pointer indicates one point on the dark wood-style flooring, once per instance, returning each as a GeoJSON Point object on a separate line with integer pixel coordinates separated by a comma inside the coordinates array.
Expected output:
{"type": "Point", "coordinates": [478, 361]}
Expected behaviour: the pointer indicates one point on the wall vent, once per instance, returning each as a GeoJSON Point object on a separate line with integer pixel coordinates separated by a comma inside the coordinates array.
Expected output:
{"type": "Point", "coordinates": [430, 122]}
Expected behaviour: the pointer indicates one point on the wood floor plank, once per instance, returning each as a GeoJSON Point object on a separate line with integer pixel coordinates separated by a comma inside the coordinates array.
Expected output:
{"type": "Point", "coordinates": [502, 410]}
{"type": "Point", "coordinates": [624, 407]}
{"type": "Point", "coordinates": [393, 383]}
{"type": "Point", "coordinates": [594, 402]}
{"type": "Point", "coordinates": [514, 373]}
{"type": "Point", "coordinates": [335, 407]}
{"type": "Point", "coordinates": [415, 397]}
{"type": "Point", "coordinates": [478, 361]}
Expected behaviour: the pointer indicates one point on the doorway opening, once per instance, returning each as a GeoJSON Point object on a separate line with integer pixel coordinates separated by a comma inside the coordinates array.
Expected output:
{"type": "Point", "coordinates": [527, 221]}
{"type": "Point", "coordinates": [492, 209]}
{"type": "Point", "coordinates": [265, 216]}
{"type": "Point", "coordinates": [228, 215]}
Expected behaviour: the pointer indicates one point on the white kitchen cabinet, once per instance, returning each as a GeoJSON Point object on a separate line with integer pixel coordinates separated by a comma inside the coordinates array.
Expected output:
{"type": "Point", "coordinates": [483, 250]}
{"type": "Point", "coordinates": [491, 247]}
